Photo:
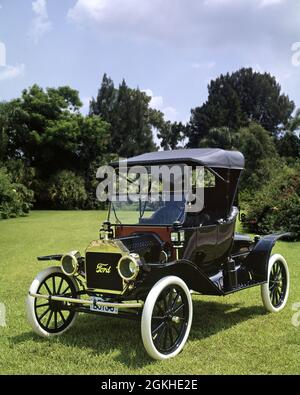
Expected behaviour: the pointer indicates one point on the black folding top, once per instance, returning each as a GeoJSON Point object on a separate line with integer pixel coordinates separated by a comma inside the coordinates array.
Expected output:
{"type": "Point", "coordinates": [213, 158]}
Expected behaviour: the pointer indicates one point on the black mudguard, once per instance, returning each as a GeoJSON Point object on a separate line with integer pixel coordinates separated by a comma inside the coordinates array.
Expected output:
{"type": "Point", "coordinates": [49, 258]}
{"type": "Point", "coordinates": [190, 273]}
{"type": "Point", "coordinates": [258, 259]}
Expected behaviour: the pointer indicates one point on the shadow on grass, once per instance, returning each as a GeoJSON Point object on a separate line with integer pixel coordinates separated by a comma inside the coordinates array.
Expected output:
{"type": "Point", "coordinates": [122, 337]}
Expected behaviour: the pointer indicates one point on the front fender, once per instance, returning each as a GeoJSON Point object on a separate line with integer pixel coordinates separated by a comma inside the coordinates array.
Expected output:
{"type": "Point", "coordinates": [258, 259]}
{"type": "Point", "coordinates": [190, 273]}
{"type": "Point", "coordinates": [49, 258]}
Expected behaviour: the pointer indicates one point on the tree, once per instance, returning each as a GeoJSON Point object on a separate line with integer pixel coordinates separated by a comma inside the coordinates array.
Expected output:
{"type": "Point", "coordinates": [276, 206]}
{"type": "Point", "coordinates": [289, 145]}
{"type": "Point", "coordinates": [66, 191]}
{"type": "Point", "coordinates": [44, 132]}
{"type": "Point", "coordinates": [15, 198]}
{"type": "Point", "coordinates": [260, 154]}
{"type": "Point", "coordinates": [237, 99]}
{"type": "Point", "coordinates": [294, 123]}
{"type": "Point", "coordinates": [130, 117]}
{"type": "Point", "coordinates": [171, 134]}
{"type": "Point", "coordinates": [218, 138]}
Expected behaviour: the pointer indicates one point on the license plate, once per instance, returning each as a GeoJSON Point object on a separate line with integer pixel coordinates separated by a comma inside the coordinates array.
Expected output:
{"type": "Point", "coordinates": [103, 309]}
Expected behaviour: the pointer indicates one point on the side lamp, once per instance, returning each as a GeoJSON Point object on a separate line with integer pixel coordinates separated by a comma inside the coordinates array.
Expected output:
{"type": "Point", "coordinates": [106, 232]}
{"type": "Point", "coordinates": [177, 237]}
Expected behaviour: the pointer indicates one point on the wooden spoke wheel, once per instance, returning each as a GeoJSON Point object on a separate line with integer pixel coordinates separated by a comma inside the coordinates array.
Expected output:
{"type": "Point", "coordinates": [48, 317]}
{"type": "Point", "coordinates": [167, 318]}
{"type": "Point", "coordinates": [275, 292]}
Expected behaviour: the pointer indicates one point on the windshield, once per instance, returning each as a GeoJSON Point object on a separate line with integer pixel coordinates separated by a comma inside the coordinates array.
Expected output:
{"type": "Point", "coordinates": [157, 196]}
{"type": "Point", "coordinates": [159, 212]}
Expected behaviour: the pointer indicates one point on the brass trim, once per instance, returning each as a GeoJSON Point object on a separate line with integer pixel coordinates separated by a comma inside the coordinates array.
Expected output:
{"type": "Point", "coordinates": [133, 305]}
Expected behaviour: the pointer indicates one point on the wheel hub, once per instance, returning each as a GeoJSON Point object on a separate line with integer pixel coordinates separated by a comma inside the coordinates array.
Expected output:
{"type": "Point", "coordinates": [176, 320]}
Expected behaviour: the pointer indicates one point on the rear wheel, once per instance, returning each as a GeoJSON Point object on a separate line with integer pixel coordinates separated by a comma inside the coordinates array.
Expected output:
{"type": "Point", "coordinates": [276, 291]}
{"type": "Point", "coordinates": [167, 318]}
{"type": "Point", "coordinates": [50, 318]}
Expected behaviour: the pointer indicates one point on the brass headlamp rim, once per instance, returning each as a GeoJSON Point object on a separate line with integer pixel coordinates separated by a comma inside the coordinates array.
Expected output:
{"type": "Point", "coordinates": [133, 258]}
{"type": "Point", "coordinates": [74, 257]}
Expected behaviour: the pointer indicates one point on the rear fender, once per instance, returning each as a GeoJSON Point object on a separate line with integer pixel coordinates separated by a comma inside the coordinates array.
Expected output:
{"type": "Point", "coordinates": [258, 259]}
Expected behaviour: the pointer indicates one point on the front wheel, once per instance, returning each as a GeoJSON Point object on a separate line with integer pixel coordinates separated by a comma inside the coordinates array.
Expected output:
{"type": "Point", "coordinates": [167, 318]}
{"type": "Point", "coordinates": [50, 318]}
{"type": "Point", "coordinates": [275, 292]}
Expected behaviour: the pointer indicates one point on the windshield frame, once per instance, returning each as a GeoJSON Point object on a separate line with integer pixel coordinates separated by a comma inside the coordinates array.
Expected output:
{"type": "Point", "coordinates": [112, 214]}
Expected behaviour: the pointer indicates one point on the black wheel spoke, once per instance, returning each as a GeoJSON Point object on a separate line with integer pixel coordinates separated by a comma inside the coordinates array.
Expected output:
{"type": "Point", "coordinates": [170, 301]}
{"type": "Point", "coordinates": [160, 335]}
{"type": "Point", "coordinates": [49, 319]}
{"type": "Point", "coordinates": [44, 313]}
{"type": "Point", "coordinates": [272, 286]}
{"type": "Point", "coordinates": [53, 285]}
{"type": "Point", "coordinates": [175, 311]}
{"type": "Point", "coordinates": [175, 301]}
{"type": "Point", "coordinates": [176, 329]}
{"type": "Point", "coordinates": [60, 285]}
{"type": "Point", "coordinates": [171, 334]}
{"type": "Point", "coordinates": [65, 291]}
{"type": "Point", "coordinates": [158, 328]}
{"type": "Point", "coordinates": [165, 337]}
{"type": "Point", "coordinates": [48, 289]}
{"type": "Point", "coordinates": [165, 303]}
{"type": "Point", "coordinates": [62, 316]}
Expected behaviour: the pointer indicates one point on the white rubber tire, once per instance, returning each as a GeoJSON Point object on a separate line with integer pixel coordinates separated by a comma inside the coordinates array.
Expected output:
{"type": "Point", "coordinates": [148, 311]}
{"type": "Point", "coordinates": [30, 303]}
{"type": "Point", "coordinates": [265, 292]}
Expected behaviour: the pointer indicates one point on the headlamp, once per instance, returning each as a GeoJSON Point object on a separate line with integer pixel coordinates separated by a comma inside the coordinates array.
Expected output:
{"type": "Point", "coordinates": [129, 267]}
{"type": "Point", "coordinates": [70, 264]}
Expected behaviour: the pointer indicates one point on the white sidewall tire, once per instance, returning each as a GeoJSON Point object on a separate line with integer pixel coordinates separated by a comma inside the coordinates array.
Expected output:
{"type": "Point", "coordinates": [265, 292]}
{"type": "Point", "coordinates": [30, 303]}
{"type": "Point", "coordinates": [147, 317]}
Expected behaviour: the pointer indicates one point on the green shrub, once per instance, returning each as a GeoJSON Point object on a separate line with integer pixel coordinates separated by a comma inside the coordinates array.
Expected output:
{"type": "Point", "coordinates": [66, 191]}
{"type": "Point", "coordinates": [276, 207]}
{"type": "Point", "coordinates": [15, 198]}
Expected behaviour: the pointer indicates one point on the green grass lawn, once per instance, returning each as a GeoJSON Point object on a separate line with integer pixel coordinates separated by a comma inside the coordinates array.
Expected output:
{"type": "Point", "coordinates": [231, 335]}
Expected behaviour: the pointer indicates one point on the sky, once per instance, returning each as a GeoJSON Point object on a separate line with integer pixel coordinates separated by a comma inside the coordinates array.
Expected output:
{"type": "Point", "coordinates": [169, 48]}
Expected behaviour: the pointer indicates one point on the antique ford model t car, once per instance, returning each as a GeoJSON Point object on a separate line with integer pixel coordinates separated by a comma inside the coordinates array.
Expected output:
{"type": "Point", "coordinates": [151, 257]}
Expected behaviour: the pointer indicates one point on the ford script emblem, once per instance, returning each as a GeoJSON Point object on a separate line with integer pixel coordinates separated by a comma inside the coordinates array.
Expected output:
{"type": "Point", "coordinates": [103, 268]}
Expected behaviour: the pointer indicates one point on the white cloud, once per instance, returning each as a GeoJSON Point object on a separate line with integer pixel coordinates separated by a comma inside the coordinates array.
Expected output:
{"type": "Point", "coordinates": [171, 113]}
{"type": "Point", "coordinates": [11, 72]}
{"type": "Point", "coordinates": [40, 24]}
{"type": "Point", "coordinates": [102, 10]}
{"type": "Point", "coordinates": [85, 105]}
{"type": "Point", "coordinates": [157, 103]}
{"type": "Point", "coordinates": [201, 22]}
